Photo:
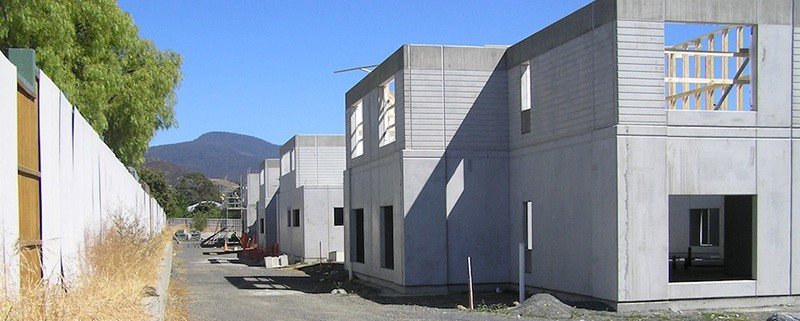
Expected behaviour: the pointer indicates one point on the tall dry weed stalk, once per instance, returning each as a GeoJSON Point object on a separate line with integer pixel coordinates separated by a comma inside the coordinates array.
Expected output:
{"type": "Point", "coordinates": [119, 267]}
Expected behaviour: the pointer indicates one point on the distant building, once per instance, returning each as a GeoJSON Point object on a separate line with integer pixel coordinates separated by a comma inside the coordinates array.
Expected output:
{"type": "Point", "coordinates": [250, 193]}
{"type": "Point", "coordinates": [267, 212]}
{"type": "Point", "coordinates": [191, 208]}
{"type": "Point", "coordinates": [310, 210]}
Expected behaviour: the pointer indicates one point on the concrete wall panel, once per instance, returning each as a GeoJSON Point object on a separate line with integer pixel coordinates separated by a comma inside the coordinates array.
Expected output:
{"type": "Point", "coordinates": [711, 11]}
{"type": "Point", "coordinates": [643, 218]}
{"type": "Point", "coordinates": [773, 217]}
{"type": "Point", "coordinates": [571, 185]}
{"type": "Point", "coordinates": [290, 237]}
{"type": "Point", "coordinates": [774, 91]}
{"type": "Point", "coordinates": [9, 195]}
{"type": "Point", "coordinates": [572, 89]}
{"type": "Point", "coordinates": [640, 72]}
{"type": "Point", "coordinates": [639, 10]}
{"type": "Point", "coordinates": [49, 121]}
{"type": "Point", "coordinates": [478, 219]}
{"type": "Point", "coordinates": [711, 166]}
{"type": "Point", "coordinates": [425, 222]}
{"type": "Point", "coordinates": [424, 106]}
{"type": "Point", "coordinates": [320, 235]}
{"type": "Point", "coordinates": [475, 113]}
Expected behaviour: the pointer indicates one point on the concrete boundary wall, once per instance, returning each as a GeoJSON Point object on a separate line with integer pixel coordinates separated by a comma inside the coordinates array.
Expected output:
{"type": "Point", "coordinates": [9, 197]}
{"type": "Point", "coordinates": [83, 185]}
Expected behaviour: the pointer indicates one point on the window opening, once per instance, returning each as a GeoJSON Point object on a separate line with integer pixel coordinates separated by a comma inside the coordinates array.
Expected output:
{"type": "Point", "coordinates": [357, 130]}
{"type": "Point", "coordinates": [338, 216]}
{"type": "Point", "coordinates": [525, 99]}
{"type": "Point", "coordinates": [386, 119]}
{"type": "Point", "coordinates": [710, 71]}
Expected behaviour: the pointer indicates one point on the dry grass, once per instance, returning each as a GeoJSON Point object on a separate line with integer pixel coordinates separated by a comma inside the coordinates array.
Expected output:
{"type": "Point", "coordinates": [177, 300]}
{"type": "Point", "coordinates": [119, 268]}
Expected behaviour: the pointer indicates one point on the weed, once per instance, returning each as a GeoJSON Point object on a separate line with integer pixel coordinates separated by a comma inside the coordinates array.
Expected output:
{"type": "Point", "coordinates": [117, 267]}
{"type": "Point", "coordinates": [491, 308]}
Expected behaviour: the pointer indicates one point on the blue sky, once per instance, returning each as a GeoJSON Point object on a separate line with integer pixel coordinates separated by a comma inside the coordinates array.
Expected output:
{"type": "Point", "coordinates": [265, 68]}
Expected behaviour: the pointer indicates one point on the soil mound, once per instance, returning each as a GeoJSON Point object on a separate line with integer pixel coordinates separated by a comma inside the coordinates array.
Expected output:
{"type": "Point", "coordinates": [544, 305]}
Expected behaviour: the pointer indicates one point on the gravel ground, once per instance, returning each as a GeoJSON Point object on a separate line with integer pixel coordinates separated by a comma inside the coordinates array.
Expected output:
{"type": "Point", "coordinates": [221, 287]}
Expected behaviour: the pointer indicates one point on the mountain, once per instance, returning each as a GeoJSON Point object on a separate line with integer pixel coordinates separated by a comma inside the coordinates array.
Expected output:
{"type": "Point", "coordinates": [215, 154]}
{"type": "Point", "coordinates": [170, 170]}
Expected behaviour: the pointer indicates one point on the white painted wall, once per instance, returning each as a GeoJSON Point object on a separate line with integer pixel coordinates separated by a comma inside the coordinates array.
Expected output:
{"type": "Point", "coordinates": [83, 184]}
{"type": "Point", "coordinates": [9, 196]}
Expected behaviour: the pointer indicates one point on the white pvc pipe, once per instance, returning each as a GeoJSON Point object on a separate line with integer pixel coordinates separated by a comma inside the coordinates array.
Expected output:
{"type": "Point", "coordinates": [521, 272]}
{"type": "Point", "coordinates": [469, 270]}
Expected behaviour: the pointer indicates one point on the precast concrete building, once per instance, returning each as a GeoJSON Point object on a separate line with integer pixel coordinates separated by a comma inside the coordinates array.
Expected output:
{"type": "Point", "coordinates": [250, 197]}
{"type": "Point", "coordinates": [310, 211]}
{"type": "Point", "coordinates": [644, 153]}
{"type": "Point", "coordinates": [267, 212]}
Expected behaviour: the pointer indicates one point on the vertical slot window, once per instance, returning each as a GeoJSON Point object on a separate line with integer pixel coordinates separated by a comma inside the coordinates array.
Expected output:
{"type": "Point", "coordinates": [527, 232]}
{"type": "Point", "coordinates": [357, 130]}
{"type": "Point", "coordinates": [705, 227]}
{"type": "Point", "coordinates": [338, 216]}
{"type": "Point", "coordinates": [387, 237]}
{"type": "Point", "coordinates": [285, 164]}
{"type": "Point", "coordinates": [386, 117]}
{"type": "Point", "coordinates": [525, 98]}
{"type": "Point", "coordinates": [292, 160]}
{"type": "Point", "coordinates": [357, 234]}
{"type": "Point", "coordinates": [296, 218]}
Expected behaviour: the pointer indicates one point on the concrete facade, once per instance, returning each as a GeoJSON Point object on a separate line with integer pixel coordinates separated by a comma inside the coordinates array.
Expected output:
{"type": "Point", "coordinates": [250, 198]}
{"type": "Point", "coordinates": [311, 169]}
{"type": "Point", "coordinates": [267, 213]}
{"type": "Point", "coordinates": [445, 176]}
{"type": "Point", "coordinates": [606, 167]}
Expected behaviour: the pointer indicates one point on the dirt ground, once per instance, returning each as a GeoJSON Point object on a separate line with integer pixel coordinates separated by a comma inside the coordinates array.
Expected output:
{"type": "Point", "coordinates": [223, 287]}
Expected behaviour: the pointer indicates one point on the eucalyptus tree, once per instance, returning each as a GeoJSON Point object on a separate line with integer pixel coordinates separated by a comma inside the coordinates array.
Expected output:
{"type": "Point", "coordinates": [121, 83]}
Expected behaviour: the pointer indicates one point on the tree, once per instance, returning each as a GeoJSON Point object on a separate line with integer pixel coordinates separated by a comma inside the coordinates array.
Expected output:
{"type": "Point", "coordinates": [170, 200]}
{"type": "Point", "coordinates": [122, 84]}
{"type": "Point", "coordinates": [207, 209]}
{"type": "Point", "coordinates": [195, 187]}
{"type": "Point", "coordinates": [199, 221]}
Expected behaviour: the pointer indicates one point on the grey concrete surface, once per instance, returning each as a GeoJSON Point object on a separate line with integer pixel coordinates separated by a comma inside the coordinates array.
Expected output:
{"type": "Point", "coordinates": [601, 159]}
{"type": "Point", "coordinates": [220, 288]}
{"type": "Point", "coordinates": [156, 304]}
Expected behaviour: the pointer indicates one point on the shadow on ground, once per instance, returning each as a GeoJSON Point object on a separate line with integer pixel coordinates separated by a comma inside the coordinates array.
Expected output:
{"type": "Point", "coordinates": [324, 278]}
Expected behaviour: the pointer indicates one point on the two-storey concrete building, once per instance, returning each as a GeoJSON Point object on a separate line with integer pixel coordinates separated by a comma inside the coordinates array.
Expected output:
{"type": "Point", "coordinates": [267, 213]}
{"type": "Point", "coordinates": [310, 211]}
{"type": "Point", "coordinates": [645, 153]}
{"type": "Point", "coordinates": [250, 199]}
